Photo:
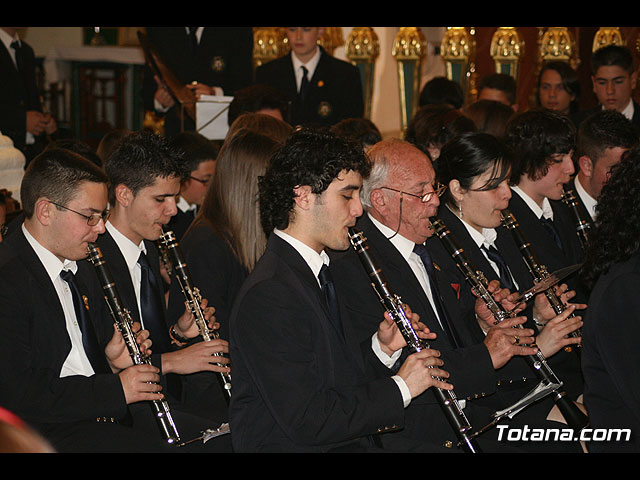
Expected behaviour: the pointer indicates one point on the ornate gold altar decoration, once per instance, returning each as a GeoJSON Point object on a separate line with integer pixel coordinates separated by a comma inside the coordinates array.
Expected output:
{"type": "Point", "coordinates": [506, 50]}
{"type": "Point", "coordinates": [332, 39]}
{"type": "Point", "coordinates": [362, 49]}
{"type": "Point", "coordinates": [557, 43]}
{"type": "Point", "coordinates": [409, 50]}
{"type": "Point", "coordinates": [607, 36]}
{"type": "Point", "coordinates": [269, 43]}
{"type": "Point", "coordinates": [458, 50]}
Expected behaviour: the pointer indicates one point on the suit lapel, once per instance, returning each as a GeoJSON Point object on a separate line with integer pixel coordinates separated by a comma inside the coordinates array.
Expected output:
{"type": "Point", "coordinates": [54, 321]}
{"type": "Point", "coordinates": [120, 272]}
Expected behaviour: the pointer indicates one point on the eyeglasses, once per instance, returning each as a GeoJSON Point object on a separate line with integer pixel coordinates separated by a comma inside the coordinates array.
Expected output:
{"type": "Point", "coordinates": [204, 182]}
{"type": "Point", "coordinates": [438, 190]}
{"type": "Point", "coordinates": [93, 219]}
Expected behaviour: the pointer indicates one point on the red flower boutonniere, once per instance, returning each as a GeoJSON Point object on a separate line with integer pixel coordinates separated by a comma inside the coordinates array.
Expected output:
{"type": "Point", "coordinates": [456, 288]}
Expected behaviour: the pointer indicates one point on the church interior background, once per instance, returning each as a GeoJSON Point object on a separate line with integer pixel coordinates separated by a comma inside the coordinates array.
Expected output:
{"type": "Point", "coordinates": [91, 76]}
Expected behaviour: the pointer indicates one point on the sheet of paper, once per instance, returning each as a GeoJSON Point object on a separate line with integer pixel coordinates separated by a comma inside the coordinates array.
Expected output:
{"type": "Point", "coordinates": [212, 116]}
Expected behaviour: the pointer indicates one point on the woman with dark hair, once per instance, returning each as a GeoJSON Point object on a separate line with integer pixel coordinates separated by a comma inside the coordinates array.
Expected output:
{"type": "Point", "coordinates": [558, 88]}
{"type": "Point", "coordinates": [610, 355]}
{"type": "Point", "coordinates": [476, 168]}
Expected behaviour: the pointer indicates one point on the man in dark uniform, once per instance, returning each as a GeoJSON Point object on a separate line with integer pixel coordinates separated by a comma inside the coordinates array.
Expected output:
{"type": "Point", "coordinates": [298, 385]}
{"type": "Point", "coordinates": [602, 140]}
{"type": "Point", "coordinates": [209, 60]}
{"type": "Point", "coordinates": [21, 115]}
{"type": "Point", "coordinates": [322, 89]}
{"type": "Point", "coordinates": [614, 78]}
{"type": "Point", "coordinates": [55, 371]}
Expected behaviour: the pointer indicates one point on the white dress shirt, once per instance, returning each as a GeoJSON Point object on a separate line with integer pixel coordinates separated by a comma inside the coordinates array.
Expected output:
{"type": "Point", "coordinates": [131, 252]}
{"type": "Point", "coordinates": [487, 238]}
{"type": "Point", "coordinates": [77, 362]}
{"type": "Point", "coordinates": [310, 65]}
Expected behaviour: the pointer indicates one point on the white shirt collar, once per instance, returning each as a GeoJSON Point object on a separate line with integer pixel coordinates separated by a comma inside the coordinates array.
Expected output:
{"type": "Point", "coordinates": [51, 263]}
{"type": "Point", "coordinates": [546, 209]}
{"type": "Point", "coordinates": [7, 40]}
{"type": "Point", "coordinates": [402, 244]}
{"type": "Point", "coordinates": [628, 110]}
{"type": "Point", "coordinates": [311, 65]}
{"type": "Point", "coordinates": [185, 206]}
{"type": "Point", "coordinates": [314, 259]}
{"type": "Point", "coordinates": [589, 202]}
{"type": "Point", "coordinates": [130, 251]}
{"type": "Point", "coordinates": [198, 32]}
{"type": "Point", "coordinates": [486, 237]}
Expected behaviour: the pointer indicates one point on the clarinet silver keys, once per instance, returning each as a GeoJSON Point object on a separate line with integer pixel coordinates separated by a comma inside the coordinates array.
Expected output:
{"type": "Point", "coordinates": [123, 321]}
{"type": "Point", "coordinates": [550, 384]}
{"type": "Point", "coordinates": [393, 305]}
{"type": "Point", "coordinates": [192, 295]}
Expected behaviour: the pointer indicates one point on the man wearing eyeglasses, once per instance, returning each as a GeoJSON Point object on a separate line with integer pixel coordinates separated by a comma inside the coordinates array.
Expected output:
{"type": "Point", "coordinates": [62, 369]}
{"type": "Point", "coordinates": [399, 198]}
{"type": "Point", "coordinates": [199, 157]}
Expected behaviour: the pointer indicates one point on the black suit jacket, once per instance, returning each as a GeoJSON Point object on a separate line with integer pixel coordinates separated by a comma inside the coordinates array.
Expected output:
{"type": "Point", "coordinates": [19, 94]}
{"type": "Point", "coordinates": [297, 386]}
{"type": "Point", "coordinates": [545, 248]}
{"type": "Point", "coordinates": [223, 59]}
{"type": "Point", "coordinates": [610, 355]}
{"type": "Point", "coordinates": [35, 344]}
{"type": "Point", "coordinates": [470, 366]}
{"type": "Point", "coordinates": [335, 91]}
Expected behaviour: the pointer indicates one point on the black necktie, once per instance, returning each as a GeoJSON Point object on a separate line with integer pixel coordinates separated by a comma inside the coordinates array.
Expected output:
{"type": "Point", "coordinates": [17, 48]}
{"type": "Point", "coordinates": [304, 85]}
{"type": "Point", "coordinates": [553, 231]}
{"type": "Point", "coordinates": [329, 291]}
{"type": "Point", "coordinates": [94, 353]}
{"type": "Point", "coordinates": [506, 281]}
{"type": "Point", "coordinates": [151, 306]}
{"type": "Point", "coordinates": [447, 326]}
{"type": "Point", "coordinates": [193, 40]}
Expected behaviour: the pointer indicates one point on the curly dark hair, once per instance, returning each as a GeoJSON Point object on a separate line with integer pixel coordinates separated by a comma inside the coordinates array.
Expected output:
{"type": "Point", "coordinates": [309, 157]}
{"type": "Point", "coordinates": [534, 137]}
{"type": "Point", "coordinates": [616, 233]}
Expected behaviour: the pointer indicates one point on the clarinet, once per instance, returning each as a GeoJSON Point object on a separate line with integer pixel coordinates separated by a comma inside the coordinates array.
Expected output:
{"type": "Point", "coordinates": [582, 225]}
{"type": "Point", "coordinates": [192, 294]}
{"type": "Point", "coordinates": [123, 321]}
{"type": "Point", "coordinates": [393, 305]}
{"type": "Point", "coordinates": [549, 382]}
{"type": "Point", "coordinates": [538, 271]}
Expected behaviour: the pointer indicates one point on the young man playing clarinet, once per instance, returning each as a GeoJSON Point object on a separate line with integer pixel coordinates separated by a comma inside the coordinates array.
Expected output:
{"type": "Point", "coordinates": [63, 370]}
{"type": "Point", "coordinates": [145, 174]}
{"type": "Point", "coordinates": [299, 385]}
